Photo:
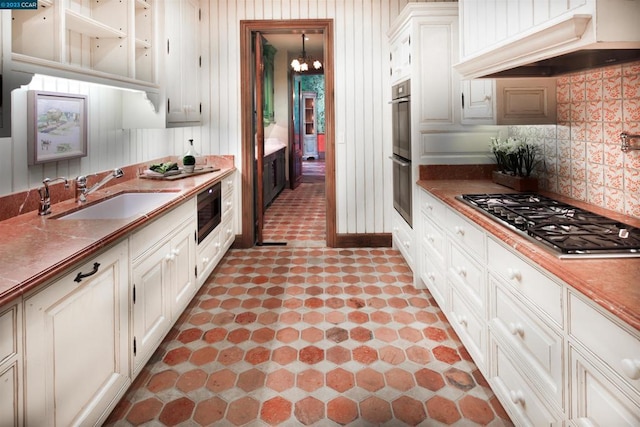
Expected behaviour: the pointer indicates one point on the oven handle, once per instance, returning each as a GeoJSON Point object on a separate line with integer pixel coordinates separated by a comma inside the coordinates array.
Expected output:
{"type": "Point", "coordinates": [400, 100]}
{"type": "Point", "coordinates": [400, 162]}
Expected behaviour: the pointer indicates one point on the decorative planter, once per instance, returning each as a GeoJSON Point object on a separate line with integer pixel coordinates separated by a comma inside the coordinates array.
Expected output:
{"type": "Point", "coordinates": [518, 183]}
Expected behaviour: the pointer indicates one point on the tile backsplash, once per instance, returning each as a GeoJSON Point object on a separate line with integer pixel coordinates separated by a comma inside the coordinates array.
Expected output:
{"type": "Point", "coordinates": [582, 155]}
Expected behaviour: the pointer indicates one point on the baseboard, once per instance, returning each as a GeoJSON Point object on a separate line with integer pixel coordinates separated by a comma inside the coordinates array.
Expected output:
{"type": "Point", "coordinates": [381, 240]}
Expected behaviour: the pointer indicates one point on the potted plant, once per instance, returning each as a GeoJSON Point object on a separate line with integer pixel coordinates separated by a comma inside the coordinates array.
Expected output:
{"type": "Point", "coordinates": [516, 160]}
{"type": "Point", "coordinates": [189, 163]}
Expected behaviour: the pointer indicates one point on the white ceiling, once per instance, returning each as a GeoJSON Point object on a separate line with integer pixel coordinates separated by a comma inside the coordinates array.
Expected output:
{"type": "Point", "coordinates": [293, 43]}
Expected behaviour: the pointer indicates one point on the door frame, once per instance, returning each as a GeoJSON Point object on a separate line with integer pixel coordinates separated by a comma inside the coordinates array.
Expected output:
{"type": "Point", "coordinates": [295, 26]}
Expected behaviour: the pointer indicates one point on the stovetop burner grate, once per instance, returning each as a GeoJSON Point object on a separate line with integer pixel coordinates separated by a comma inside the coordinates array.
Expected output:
{"type": "Point", "coordinates": [563, 227]}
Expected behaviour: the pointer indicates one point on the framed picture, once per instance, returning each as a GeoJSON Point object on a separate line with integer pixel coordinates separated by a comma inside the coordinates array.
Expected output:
{"type": "Point", "coordinates": [56, 126]}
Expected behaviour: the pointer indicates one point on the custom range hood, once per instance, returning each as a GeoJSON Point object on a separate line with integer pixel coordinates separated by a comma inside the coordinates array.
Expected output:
{"type": "Point", "coordinates": [573, 41]}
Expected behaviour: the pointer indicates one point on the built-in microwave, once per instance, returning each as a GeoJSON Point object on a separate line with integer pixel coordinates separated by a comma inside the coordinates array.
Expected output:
{"type": "Point", "coordinates": [209, 210]}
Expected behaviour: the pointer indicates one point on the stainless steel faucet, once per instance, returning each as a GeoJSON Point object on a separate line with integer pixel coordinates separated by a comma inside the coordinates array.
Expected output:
{"type": "Point", "coordinates": [45, 198]}
{"type": "Point", "coordinates": [81, 184]}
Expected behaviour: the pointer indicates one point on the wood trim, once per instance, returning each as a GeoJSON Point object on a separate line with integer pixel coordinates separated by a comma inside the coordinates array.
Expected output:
{"type": "Point", "coordinates": [247, 27]}
{"type": "Point", "coordinates": [380, 240]}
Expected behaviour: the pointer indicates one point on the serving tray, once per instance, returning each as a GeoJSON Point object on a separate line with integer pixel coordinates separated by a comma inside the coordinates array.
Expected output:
{"type": "Point", "coordinates": [173, 175]}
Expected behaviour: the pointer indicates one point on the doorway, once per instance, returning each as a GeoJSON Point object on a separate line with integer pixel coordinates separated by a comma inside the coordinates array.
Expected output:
{"type": "Point", "coordinates": [251, 214]}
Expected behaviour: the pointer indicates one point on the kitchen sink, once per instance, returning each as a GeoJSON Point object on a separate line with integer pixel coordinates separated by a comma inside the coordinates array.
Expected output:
{"type": "Point", "coordinates": [122, 206]}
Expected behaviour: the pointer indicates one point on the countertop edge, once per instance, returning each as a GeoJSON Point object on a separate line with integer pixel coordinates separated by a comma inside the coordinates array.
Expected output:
{"type": "Point", "coordinates": [104, 242]}
{"type": "Point", "coordinates": [535, 254]}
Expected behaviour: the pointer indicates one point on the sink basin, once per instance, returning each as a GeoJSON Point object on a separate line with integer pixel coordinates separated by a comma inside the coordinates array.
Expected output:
{"type": "Point", "coordinates": [122, 206]}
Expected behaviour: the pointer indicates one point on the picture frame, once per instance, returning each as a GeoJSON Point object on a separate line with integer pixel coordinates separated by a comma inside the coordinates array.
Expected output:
{"type": "Point", "coordinates": [56, 126]}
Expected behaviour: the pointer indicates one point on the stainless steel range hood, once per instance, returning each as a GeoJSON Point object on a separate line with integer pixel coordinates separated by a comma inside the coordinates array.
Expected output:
{"type": "Point", "coordinates": [573, 42]}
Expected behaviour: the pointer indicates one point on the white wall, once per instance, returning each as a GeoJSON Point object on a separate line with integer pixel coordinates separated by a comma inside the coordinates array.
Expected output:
{"type": "Point", "coordinates": [361, 57]}
{"type": "Point", "coordinates": [362, 90]}
{"type": "Point", "coordinates": [109, 145]}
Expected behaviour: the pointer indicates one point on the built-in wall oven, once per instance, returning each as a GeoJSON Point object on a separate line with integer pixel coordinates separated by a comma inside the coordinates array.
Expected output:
{"type": "Point", "coordinates": [401, 125]}
{"type": "Point", "coordinates": [209, 210]}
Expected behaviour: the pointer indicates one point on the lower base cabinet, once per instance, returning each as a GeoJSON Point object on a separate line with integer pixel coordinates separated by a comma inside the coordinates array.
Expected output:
{"type": "Point", "coordinates": [552, 356]}
{"type": "Point", "coordinates": [76, 343]}
{"type": "Point", "coordinates": [10, 365]}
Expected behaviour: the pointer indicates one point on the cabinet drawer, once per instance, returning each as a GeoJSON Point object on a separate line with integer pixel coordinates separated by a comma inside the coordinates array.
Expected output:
{"type": "Point", "coordinates": [403, 239]}
{"type": "Point", "coordinates": [527, 281]}
{"type": "Point", "coordinates": [8, 333]}
{"type": "Point", "coordinates": [617, 347]}
{"type": "Point", "coordinates": [227, 185]}
{"type": "Point", "coordinates": [227, 234]}
{"type": "Point", "coordinates": [470, 328]}
{"type": "Point", "coordinates": [209, 252]}
{"type": "Point", "coordinates": [433, 236]}
{"type": "Point", "coordinates": [227, 204]}
{"type": "Point", "coordinates": [156, 231]}
{"type": "Point", "coordinates": [432, 207]}
{"type": "Point", "coordinates": [596, 399]}
{"type": "Point", "coordinates": [467, 276]}
{"type": "Point", "coordinates": [434, 277]}
{"type": "Point", "coordinates": [466, 234]}
{"type": "Point", "coordinates": [539, 347]}
{"type": "Point", "coordinates": [519, 399]}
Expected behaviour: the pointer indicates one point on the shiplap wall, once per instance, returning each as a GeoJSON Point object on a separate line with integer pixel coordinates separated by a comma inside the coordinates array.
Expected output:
{"type": "Point", "coordinates": [362, 90]}
{"type": "Point", "coordinates": [109, 145]}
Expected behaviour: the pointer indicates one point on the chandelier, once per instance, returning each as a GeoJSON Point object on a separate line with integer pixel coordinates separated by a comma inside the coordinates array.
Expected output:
{"type": "Point", "coordinates": [301, 64]}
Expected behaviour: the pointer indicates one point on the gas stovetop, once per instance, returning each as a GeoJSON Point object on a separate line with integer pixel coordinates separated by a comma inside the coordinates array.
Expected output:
{"type": "Point", "coordinates": [570, 232]}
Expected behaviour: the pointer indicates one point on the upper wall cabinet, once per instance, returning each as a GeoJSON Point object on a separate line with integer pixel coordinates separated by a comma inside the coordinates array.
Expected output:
{"type": "Point", "coordinates": [102, 41]}
{"type": "Point", "coordinates": [500, 36]}
{"type": "Point", "coordinates": [183, 62]}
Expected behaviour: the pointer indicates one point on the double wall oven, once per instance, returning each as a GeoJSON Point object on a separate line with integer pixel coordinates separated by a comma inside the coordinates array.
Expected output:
{"type": "Point", "coordinates": [402, 170]}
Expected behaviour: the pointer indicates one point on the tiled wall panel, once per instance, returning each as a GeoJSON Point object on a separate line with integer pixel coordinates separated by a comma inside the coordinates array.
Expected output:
{"type": "Point", "coordinates": [582, 155]}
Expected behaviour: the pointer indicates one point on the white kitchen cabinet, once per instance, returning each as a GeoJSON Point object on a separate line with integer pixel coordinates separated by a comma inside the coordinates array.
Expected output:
{"type": "Point", "coordinates": [402, 237]}
{"type": "Point", "coordinates": [76, 343]}
{"type": "Point", "coordinates": [478, 101]}
{"type": "Point", "coordinates": [211, 250]}
{"type": "Point", "coordinates": [509, 101]}
{"type": "Point", "coordinates": [182, 62]}
{"type": "Point", "coordinates": [498, 35]}
{"type": "Point", "coordinates": [400, 55]}
{"type": "Point", "coordinates": [163, 278]}
{"type": "Point", "coordinates": [604, 366]}
{"type": "Point", "coordinates": [552, 356]}
{"type": "Point", "coordinates": [11, 365]}
{"type": "Point", "coordinates": [110, 42]}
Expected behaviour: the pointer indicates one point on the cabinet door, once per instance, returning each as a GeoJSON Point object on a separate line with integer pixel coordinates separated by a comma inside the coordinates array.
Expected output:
{"type": "Point", "coordinates": [76, 360]}
{"type": "Point", "coordinates": [526, 101]}
{"type": "Point", "coordinates": [151, 317]}
{"type": "Point", "coordinates": [182, 269]}
{"type": "Point", "coordinates": [478, 101]}
{"type": "Point", "coordinates": [401, 56]}
{"type": "Point", "coordinates": [10, 365]}
{"type": "Point", "coordinates": [182, 24]}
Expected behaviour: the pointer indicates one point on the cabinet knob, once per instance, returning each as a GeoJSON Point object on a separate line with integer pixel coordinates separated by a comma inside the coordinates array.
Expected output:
{"type": "Point", "coordinates": [516, 329]}
{"type": "Point", "coordinates": [462, 319]}
{"type": "Point", "coordinates": [431, 276]}
{"type": "Point", "coordinates": [229, 204]}
{"type": "Point", "coordinates": [514, 274]}
{"type": "Point", "coordinates": [175, 251]}
{"type": "Point", "coordinates": [407, 243]}
{"type": "Point", "coordinates": [430, 238]}
{"type": "Point", "coordinates": [459, 230]}
{"type": "Point", "coordinates": [205, 260]}
{"type": "Point", "coordinates": [462, 272]}
{"type": "Point", "coordinates": [631, 368]}
{"type": "Point", "coordinates": [428, 206]}
{"type": "Point", "coordinates": [170, 257]}
{"type": "Point", "coordinates": [517, 397]}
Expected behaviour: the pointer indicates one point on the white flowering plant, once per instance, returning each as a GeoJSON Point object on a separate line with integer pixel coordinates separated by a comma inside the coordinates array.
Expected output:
{"type": "Point", "coordinates": [515, 156]}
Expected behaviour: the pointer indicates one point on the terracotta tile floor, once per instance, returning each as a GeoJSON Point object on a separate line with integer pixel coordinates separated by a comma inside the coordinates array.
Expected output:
{"type": "Point", "coordinates": [308, 335]}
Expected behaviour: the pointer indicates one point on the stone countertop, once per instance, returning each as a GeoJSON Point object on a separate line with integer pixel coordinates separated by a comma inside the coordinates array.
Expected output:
{"type": "Point", "coordinates": [36, 248]}
{"type": "Point", "coordinates": [613, 283]}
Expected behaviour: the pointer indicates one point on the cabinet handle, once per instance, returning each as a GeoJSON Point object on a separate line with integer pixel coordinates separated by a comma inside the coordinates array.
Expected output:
{"type": "Point", "coordinates": [517, 397]}
{"type": "Point", "coordinates": [459, 230]}
{"type": "Point", "coordinates": [80, 276]}
{"type": "Point", "coordinates": [516, 329]}
{"type": "Point", "coordinates": [631, 368]}
{"type": "Point", "coordinates": [514, 274]}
